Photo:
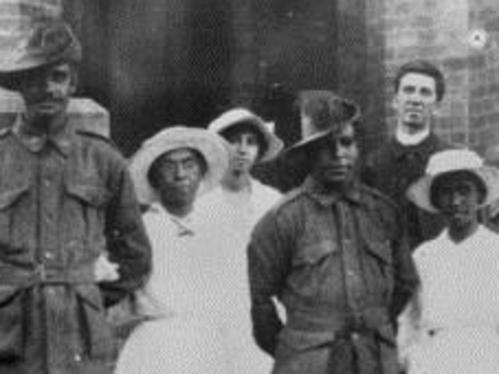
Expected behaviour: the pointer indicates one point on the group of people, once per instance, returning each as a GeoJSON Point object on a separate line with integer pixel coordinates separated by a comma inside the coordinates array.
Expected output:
{"type": "Point", "coordinates": [379, 265]}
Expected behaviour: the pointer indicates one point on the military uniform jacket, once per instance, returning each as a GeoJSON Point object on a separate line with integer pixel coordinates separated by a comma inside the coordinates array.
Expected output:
{"type": "Point", "coordinates": [340, 266]}
{"type": "Point", "coordinates": [64, 201]}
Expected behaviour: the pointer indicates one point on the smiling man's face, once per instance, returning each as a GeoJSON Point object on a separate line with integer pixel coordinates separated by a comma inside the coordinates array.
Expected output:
{"type": "Point", "coordinates": [415, 102]}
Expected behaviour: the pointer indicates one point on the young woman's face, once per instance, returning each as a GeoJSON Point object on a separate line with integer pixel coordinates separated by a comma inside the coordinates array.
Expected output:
{"type": "Point", "coordinates": [244, 150]}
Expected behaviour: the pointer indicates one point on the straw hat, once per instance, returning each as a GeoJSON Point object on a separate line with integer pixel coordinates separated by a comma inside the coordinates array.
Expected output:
{"type": "Point", "coordinates": [240, 115]}
{"type": "Point", "coordinates": [449, 161]}
{"type": "Point", "coordinates": [44, 42]}
{"type": "Point", "coordinates": [211, 146]}
{"type": "Point", "coordinates": [328, 113]}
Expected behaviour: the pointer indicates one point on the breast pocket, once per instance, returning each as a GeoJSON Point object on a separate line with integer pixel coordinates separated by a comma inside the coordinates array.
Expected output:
{"type": "Point", "coordinates": [92, 194]}
{"type": "Point", "coordinates": [310, 267]}
{"type": "Point", "coordinates": [85, 214]}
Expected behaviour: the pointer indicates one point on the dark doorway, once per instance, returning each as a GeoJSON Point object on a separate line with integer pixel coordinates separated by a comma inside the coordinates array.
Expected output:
{"type": "Point", "coordinates": [154, 63]}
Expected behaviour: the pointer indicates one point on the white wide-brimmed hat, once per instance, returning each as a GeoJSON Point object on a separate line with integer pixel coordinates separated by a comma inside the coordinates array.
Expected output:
{"type": "Point", "coordinates": [448, 161]}
{"type": "Point", "coordinates": [211, 146]}
{"type": "Point", "coordinates": [237, 116]}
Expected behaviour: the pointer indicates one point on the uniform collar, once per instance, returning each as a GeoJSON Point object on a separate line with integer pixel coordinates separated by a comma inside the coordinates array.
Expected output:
{"type": "Point", "coordinates": [61, 140]}
{"type": "Point", "coordinates": [327, 198]}
{"type": "Point", "coordinates": [423, 148]}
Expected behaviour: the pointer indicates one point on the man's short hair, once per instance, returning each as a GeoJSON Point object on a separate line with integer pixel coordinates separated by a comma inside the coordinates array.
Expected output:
{"type": "Point", "coordinates": [422, 67]}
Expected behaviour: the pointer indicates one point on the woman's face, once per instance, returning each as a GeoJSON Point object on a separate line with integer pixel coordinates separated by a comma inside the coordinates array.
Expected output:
{"type": "Point", "coordinates": [177, 176]}
{"type": "Point", "coordinates": [458, 197]}
{"type": "Point", "coordinates": [244, 147]}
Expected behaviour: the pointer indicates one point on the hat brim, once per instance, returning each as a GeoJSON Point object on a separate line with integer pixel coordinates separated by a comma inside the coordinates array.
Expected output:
{"type": "Point", "coordinates": [209, 145]}
{"type": "Point", "coordinates": [12, 75]}
{"type": "Point", "coordinates": [274, 144]}
{"type": "Point", "coordinates": [351, 115]}
{"type": "Point", "coordinates": [10, 81]}
{"type": "Point", "coordinates": [419, 192]}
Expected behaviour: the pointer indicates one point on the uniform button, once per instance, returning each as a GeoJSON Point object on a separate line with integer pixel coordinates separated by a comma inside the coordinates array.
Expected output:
{"type": "Point", "coordinates": [48, 255]}
{"type": "Point", "coordinates": [355, 336]}
{"type": "Point", "coordinates": [51, 292]}
{"type": "Point", "coordinates": [77, 357]}
{"type": "Point", "coordinates": [350, 273]}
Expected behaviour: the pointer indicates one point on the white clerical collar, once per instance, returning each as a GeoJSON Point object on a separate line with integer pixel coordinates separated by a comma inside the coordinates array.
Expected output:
{"type": "Point", "coordinates": [411, 139]}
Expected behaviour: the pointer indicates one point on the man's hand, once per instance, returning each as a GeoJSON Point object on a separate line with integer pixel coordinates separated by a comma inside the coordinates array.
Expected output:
{"type": "Point", "coordinates": [105, 270]}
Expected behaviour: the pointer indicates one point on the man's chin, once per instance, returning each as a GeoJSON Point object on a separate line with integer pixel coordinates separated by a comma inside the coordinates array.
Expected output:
{"type": "Point", "coordinates": [414, 126]}
{"type": "Point", "coordinates": [337, 182]}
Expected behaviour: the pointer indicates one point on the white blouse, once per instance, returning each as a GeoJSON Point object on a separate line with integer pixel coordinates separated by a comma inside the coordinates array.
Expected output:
{"type": "Point", "coordinates": [452, 323]}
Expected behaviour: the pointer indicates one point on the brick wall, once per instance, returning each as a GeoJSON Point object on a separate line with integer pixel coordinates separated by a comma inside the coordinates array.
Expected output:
{"type": "Point", "coordinates": [461, 37]}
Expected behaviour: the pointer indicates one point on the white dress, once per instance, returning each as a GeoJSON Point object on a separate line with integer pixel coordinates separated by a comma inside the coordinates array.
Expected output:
{"type": "Point", "coordinates": [452, 325]}
{"type": "Point", "coordinates": [199, 320]}
{"type": "Point", "coordinates": [234, 215]}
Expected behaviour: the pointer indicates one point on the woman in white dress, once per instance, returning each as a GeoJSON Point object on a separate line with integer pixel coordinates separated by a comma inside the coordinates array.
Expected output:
{"type": "Point", "coordinates": [235, 207]}
{"type": "Point", "coordinates": [188, 298]}
{"type": "Point", "coordinates": [251, 141]}
{"type": "Point", "coordinates": [452, 324]}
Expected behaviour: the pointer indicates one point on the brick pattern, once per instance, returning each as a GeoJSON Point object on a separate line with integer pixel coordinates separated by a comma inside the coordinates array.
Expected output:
{"type": "Point", "coordinates": [461, 37]}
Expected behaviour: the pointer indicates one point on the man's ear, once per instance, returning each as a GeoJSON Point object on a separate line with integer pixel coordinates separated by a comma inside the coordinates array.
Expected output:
{"type": "Point", "coordinates": [395, 101]}
{"type": "Point", "coordinates": [437, 107]}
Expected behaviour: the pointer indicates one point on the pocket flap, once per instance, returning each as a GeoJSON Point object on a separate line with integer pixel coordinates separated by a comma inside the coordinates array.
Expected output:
{"type": "Point", "coordinates": [9, 197]}
{"type": "Point", "coordinates": [310, 254]}
{"type": "Point", "coordinates": [93, 194]}
{"type": "Point", "coordinates": [381, 250]}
